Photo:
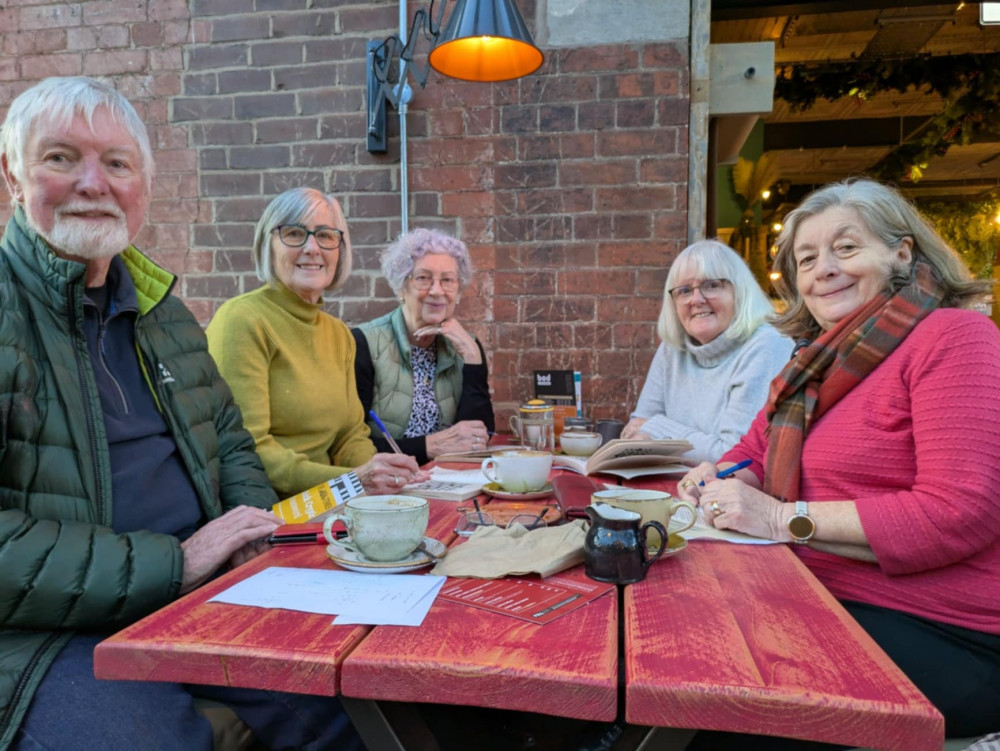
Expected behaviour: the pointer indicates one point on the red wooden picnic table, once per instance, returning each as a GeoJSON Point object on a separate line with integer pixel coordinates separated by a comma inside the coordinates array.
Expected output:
{"type": "Point", "coordinates": [719, 636]}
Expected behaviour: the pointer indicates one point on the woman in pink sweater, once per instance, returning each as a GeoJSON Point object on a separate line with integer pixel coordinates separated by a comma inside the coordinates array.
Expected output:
{"type": "Point", "coordinates": [878, 452]}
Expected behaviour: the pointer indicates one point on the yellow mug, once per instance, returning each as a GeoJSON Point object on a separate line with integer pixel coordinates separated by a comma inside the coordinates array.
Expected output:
{"type": "Point", "coordinates": [653, 506]}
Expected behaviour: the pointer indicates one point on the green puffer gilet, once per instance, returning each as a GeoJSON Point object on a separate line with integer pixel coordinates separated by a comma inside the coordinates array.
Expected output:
{"type": "Point", "coordinates": [392, 394]}
{"type": "Point", "coordinates": [62, 566]}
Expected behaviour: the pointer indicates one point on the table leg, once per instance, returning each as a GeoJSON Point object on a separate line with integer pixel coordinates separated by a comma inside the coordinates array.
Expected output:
{"type": "Point", "coordinates": [383, 724]}
{"type": "Point", "coordinates": [666, 739]}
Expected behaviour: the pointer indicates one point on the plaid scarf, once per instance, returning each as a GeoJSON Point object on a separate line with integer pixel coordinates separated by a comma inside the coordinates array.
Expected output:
{"type": "Point", "coordinates": [824, 371]}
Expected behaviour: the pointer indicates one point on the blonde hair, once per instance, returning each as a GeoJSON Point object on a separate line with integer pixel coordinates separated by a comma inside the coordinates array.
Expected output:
{"type": "Point", "coordinates": [891, 218]}
{"type": "Point", "coordinates": [710, 259]}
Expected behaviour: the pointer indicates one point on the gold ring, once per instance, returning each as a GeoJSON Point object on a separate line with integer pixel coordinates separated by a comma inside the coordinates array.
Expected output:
{"type": "Point", "coordinates": [714, 505]}
{"type": "Point", "coordinates": [688, 483]}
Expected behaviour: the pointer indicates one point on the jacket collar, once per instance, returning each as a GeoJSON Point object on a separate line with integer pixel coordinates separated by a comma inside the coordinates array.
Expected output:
{"type": "Point", "coordinates": [54, 275]}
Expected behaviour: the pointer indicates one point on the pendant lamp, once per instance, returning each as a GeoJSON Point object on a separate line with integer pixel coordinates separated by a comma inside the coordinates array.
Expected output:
{"type": "Point", "coordinates": [485, 40]}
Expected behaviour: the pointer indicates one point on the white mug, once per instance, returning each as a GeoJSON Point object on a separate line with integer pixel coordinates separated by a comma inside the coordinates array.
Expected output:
{"type": "Point", "coordinates": [519, 471]}
{"type": "Point", "coordinates": [382, 527]}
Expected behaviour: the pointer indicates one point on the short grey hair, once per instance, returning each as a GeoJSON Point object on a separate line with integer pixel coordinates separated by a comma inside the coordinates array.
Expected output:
{"type": "Point", "coordinates": [710, 259]}
{"type": "Point", "coordinates": [59, 100]}
{"type": "Point", "coordinates": [298, 206]}
{"type": "Point", "coordinates": [399, 259]}
{"type": "Point", "coordinates": [891, 218]}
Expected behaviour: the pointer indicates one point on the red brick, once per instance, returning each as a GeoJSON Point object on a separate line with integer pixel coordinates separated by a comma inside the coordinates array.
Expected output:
{"type": "Point", "coordinates": [108, 63]}
{"type": "Point", "coordinates": [635, 254]}
{"type": "Point", "coordinates": [602, 280]}
{"type": "Point", "coordinates": [666, 55]}
{"type": "Point", "coordinates": [481, 121]}
{"type": "Point", "coordinates": [8, 20]}
{"type": "Point", "coordinates": [36, 67]}
{"type": "Point", "coordinates": [592, 336]}
{"type": "Point", "coordinates": [668, 170]}
{"type": "Point", "coordinates": [50, 40]}
{"type": "Point", "coordinates": [638, 142]}
{"type": "Point", "coordinates": [637, 198]}
{"type": "Point", "coordinates": [519, 119]}
{"type": "Point", "coordinates": [563, 255]}
{"type": "Point", "coordinates": [447, 123]}
{"type": "Point", "coordinates": [553, 201]}
{"type": "Point", "coordinates": [149, 34]}
{"type": "Point", "coordinates": [468, 203]}
{"type": "Point", "coordinates": [595, 115]}
{"type": "Point", "coordinates": [173, 210]}
{"type": "Point", "coordinates": [233, 260]}
{"type": "Point", "coordinates": [323, 154]}
{"type": "Point", "coordinates": [178, 160]}
{"type": "Point", "coordinates": [258, 157]}
{"type": "Point", "coordinates": [98, 12]}
{"type": "Point", "coordinates": [203, 310]}
{"type": "Point", "coordinates": [50, 16]}
{"type": "Point", "coordinates": [169, 187]}
{"type": "Point", "coordinates": [219, 235]}
{"type": "Point", "coordinates": [554, 336]}
{"type": "Point", "coordinates": [445, 178]}
{"type": "Point", "coordinates": [673, 111]}
{"type": "Point", "coordinates": [609, 57]}
{"type": "Point", "coordinates": [169, 10]}
{"type": "Point", "coordinates": [308, 24]}
{"type": "Point", "coordinates": [169, 137]}
{"type": "Point", "coordinates": [9, 69]}
{"type": "Point", "coordinates": [545, 90]}
{"type": "Point", "coordinates": [635, 113]}
{"type": "Point", "coordinates": [233, 28]}
{"type": "Point", "coordinates": [637, 336]}
{"type": "Point", "coordinates": [211, 286]}
{"type": "Point", "coordinates": [525, 175]}
{"type": "Point", "coordinates": [619, 172]}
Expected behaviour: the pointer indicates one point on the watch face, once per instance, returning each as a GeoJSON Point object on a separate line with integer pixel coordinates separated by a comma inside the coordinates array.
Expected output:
{"type": "Point", "coordinates": [801, 527]}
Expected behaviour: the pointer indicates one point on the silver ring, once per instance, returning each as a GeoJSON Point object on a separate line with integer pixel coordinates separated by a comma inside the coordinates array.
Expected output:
{"type": "Point", "coordinates": [714, 505]}
{"type": "Point", "coordinates": [395, 479]}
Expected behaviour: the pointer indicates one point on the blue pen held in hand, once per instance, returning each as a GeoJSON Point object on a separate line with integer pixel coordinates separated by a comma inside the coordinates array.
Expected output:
{"type": "Point", "coordinates": [730, 470]}
{"type": "Point", "coordinates": [384, 432]}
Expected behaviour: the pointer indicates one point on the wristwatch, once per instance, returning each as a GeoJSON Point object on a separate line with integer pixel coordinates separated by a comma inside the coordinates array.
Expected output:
{"type": "Point", "coordinates": [801, 526]}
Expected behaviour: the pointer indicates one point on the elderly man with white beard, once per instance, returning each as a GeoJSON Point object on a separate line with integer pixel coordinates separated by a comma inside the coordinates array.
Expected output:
{"type": "Point", "coordinates": [126, 477]}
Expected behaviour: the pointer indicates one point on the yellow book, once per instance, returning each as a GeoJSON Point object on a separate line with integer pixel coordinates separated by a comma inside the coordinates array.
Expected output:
{"type": "Point", "coordinates": [319, 501]}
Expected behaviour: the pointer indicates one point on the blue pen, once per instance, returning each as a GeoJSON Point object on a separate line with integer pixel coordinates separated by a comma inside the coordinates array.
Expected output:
{"type": "Point", "coordinates": [385, 433]}
{"type": "Point", "coordinates": [730, 470]}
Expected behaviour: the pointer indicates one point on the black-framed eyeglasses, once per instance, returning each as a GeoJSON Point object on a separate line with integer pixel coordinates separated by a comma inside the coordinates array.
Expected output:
{"type": "Point", "coordinates": [710, 289]}
{"type": "Point", "coordinates": [295, 236]}
{"type": "Point", "coordinates": [468, 523]}
{"type": "Point", "coordinates": [424, 282]}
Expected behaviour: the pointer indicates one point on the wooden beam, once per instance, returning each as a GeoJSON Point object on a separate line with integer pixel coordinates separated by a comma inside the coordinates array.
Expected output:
{"type": "Point", "coordinates": [849, 133]}
{"type": "Point", "coordinates": [729, 10]}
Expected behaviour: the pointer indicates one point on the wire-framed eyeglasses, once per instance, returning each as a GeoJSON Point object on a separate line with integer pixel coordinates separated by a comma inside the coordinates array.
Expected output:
{"type": "Point", "coordinates": [710, 289]}
{"type": "Point", "coordinates": [295, 236]}
{"type": "Point", "coordinates": [473, 520]}
{"type": "Point", "coordinates": [424, 282]}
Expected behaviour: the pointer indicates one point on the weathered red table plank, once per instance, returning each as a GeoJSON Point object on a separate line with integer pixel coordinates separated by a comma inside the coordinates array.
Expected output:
{"type": "Point", "coordinates": [467, 656]}
{"type": "Point", "coordinates": [745, 639]}
{"type": "Point", "coordinates": [195, 641]}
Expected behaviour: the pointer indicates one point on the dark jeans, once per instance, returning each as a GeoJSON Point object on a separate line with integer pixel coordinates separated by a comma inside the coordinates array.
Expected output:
{"type": "Point", "coordinates": [73, 710]}
{"type": "Point", "coordinates": [958, 670]}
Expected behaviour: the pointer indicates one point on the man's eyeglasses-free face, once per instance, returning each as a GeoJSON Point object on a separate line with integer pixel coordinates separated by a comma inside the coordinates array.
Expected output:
{"type": "Point", "coordinates": [424, 282]}
{"type": "Point", "coordinates": [295, 236]}
{"type": "Point", "coordinates": [710, 289]}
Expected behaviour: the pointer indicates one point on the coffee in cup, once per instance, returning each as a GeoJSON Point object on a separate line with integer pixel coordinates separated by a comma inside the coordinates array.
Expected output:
{"type": "Point", "coordinates": [522, 471]}
{"type": "Point", "coordinates": [651, 505]}
{"type": "Point", "coordinates": [382, 527]}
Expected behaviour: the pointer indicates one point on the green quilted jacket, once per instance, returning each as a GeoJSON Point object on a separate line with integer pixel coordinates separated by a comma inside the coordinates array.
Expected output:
{"type": "Point", "coordinates": [61, 566]}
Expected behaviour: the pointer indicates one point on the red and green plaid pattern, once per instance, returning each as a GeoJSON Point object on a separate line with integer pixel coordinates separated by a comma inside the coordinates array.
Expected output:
{"type": "Point", "coordinates": [821, 373]}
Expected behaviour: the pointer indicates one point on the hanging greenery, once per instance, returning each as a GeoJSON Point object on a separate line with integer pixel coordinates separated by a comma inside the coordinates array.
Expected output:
{"type": "Point", "coordinates": [749, 181]}
{"type": "Point", "coordinates": [968, 84]}
{"type": "Point", "coordinates": [970, 227]}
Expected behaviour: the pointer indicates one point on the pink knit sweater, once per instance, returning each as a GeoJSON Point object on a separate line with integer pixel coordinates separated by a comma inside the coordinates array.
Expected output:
{"type": "Point", "coordinates": [916, 445]}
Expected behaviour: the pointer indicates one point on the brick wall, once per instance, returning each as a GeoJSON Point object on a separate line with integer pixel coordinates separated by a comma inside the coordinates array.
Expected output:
{"type": "Point", "coordinates": [569, 186]}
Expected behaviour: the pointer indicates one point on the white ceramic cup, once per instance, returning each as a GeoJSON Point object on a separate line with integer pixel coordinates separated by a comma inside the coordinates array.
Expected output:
{"type": "Point", "coordinates": [382, 527]}
{"type": "Point", "coordinates": [519, 471]}
{"type": "Point", "coordinates": [652, 505]}
{"type": "Point", "coordinates": [579, 442]}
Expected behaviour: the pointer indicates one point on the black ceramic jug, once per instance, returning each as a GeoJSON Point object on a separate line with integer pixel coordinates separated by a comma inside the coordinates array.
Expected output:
{"type": "Point", "coordinates": [615, 547]}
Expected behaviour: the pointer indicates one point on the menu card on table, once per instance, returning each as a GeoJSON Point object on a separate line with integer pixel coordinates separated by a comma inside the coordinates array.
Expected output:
{"type": "Point", "coordinates": [527, 597]}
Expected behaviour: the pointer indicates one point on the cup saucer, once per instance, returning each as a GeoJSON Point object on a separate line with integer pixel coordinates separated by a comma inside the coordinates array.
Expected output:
{"type": "Point", "coordinates": [352, 560]}
{"type": "Point", "coordinates": [494, 489]}
{"type": "Point", "coordinates": [675, 544]}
